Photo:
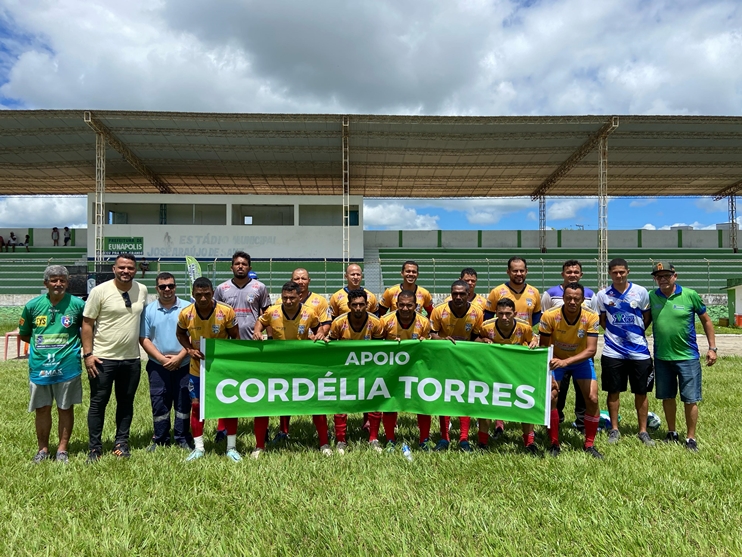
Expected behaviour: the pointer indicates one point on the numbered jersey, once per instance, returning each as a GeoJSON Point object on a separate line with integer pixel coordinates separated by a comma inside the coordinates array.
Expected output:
{"type": "Point", "coordinates": [419, 328]}
{"type": "Point", "coordinates": [285, 328]}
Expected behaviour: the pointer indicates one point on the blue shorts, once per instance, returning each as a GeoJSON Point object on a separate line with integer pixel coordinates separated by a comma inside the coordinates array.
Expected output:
{"type": "Point", "coordinates": [194, 386]}
{"type": "Point", "coordinates": [583, 370]}
{"type": "Point", "coordinates": [668, 374]}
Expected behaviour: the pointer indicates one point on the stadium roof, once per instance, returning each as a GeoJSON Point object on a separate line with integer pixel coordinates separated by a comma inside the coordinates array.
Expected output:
{"type": "Point", "coordinates": [50, 152]}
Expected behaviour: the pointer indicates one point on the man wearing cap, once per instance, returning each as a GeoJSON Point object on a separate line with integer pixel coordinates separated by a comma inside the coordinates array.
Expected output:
{"type": "Point", "coordinates": [676, 355]}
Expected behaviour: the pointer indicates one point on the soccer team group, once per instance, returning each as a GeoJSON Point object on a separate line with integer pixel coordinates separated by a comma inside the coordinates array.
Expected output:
{"type": "Point", "coordinates": [116, 320]}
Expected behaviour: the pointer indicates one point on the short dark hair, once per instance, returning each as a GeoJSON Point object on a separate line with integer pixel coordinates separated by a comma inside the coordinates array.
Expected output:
{"type": "Point", "coordinates": [407, 294]}
{"type": "Point", "coordinates": [202, 282]}
{"type": "Point", "coordinates": [517, 258]}
{"type": "Point", "coordinates": [410, 263]}
{"type": "Point", "coordinates": [506, 303]}
{"type": "Point", "coordinates": [571, 263]}
{"type": "Point", "coordinates": [460, 283]}
{"type": "Point", "coordinates": [468, 271]}
{"type": "Point", "coordinates": [357, 293]}
{"type": "Point", "coordinates": [164, 276]}
{"type": "Point", "coordinates": [618, 262]}
{"type": "Point", "coordinates": [575, 286]}
{"type": "Point", "coordinates": [243, 255]}
{"type": "Point", "coordinates": [291, 286]}
{"type": "Point", "coordinates": [128, 256]}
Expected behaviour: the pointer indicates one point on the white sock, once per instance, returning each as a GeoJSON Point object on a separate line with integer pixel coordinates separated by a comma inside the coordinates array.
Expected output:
{"type": "Point", "coordinates": [199, 442]}
{"type": "Point", "coordinates": [231, 441]}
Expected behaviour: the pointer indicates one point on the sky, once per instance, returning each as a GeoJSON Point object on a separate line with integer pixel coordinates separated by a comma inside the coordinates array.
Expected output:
{"type": "Point", "coordinates": [470, 57]}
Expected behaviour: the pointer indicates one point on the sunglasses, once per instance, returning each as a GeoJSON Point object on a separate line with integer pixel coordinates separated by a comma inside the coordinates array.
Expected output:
{"type": "Point", "coordinates": [169, 286]}
{"type": "Point", "coordinates": [127, 300]}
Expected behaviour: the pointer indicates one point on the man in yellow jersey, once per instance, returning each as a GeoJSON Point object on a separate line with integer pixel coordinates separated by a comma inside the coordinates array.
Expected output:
{"type": "Point", "coordinates": [505, 328]}
{"type": "Point", "coordinates": [405, 324]}
{"type": "Point", "coordinates": [290, 320]}
{"type": "Point", "coordinates": [573, 332]}
{"type": "Point", "coordinates": [357, 324]}
{"type": "Point", "coordinates": [527, 303]}
{"type": "Point", "coordinates": [205, 318]}
{"type": "Point", "coordinates": [322, 309]}
{"type": "Point", "coordinates": [456, 320]}
{"type": "Point", "coordinates": [423, 298]}
{"type": "Point", "coordinates": [469, 276]}
{"type": "Point", "coordinates": [339, 300]}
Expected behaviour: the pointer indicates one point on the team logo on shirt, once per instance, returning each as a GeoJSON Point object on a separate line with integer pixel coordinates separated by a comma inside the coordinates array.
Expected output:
{"type": "Point", "coordinates": [41, 321]}
{"type": "Point", "coordinates": [66, 321]}
{"type": "Point", "coordinates": [302, 328]}
{"type": "Point", "coordinates": [250, 299]}
{"type": "Point", "coordinates": [215, 329]}
{"type": "Point", "coordinates": [581, 333]}
{"type": "Point", "coordinates": [529, 302]}
{"type": "Point", "coordinates": [468, 327]}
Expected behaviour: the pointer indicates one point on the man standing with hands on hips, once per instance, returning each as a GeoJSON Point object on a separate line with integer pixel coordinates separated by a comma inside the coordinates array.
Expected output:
{"type": "Point", "coordinates": [110, 345]}
{"type": "Point", "coordinates": [676, 355]}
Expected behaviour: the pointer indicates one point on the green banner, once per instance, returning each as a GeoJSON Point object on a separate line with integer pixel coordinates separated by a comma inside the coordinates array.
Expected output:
{"type": "Point", "coordinates": [272, 378]}
{"type": "Point", "coordinates": [126, 244]}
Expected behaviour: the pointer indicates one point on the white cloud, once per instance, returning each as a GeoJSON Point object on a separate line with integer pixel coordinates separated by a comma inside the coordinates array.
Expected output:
{"type": "Point", "coordinates": [43, 212]}
{"type": "Point", "coordinates": [477, 210]}
{"type": "Point", "coordinates": [395, 216]}
{"type": "Point", "coordinates": [708, 205]}
{"type": "Point", "coordinates": [649, 226]}
{"type": "Point", "coordinates": [567, 208]}
{"type": "Point", "coordinates": [642, 202]}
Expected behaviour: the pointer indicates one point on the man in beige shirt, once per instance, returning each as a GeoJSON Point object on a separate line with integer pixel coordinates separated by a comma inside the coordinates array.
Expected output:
{"type": "Point", "coordinates": [110, 346]}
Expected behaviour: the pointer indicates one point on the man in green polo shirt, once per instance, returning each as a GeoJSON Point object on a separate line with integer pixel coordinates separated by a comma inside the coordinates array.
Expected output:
{"type": "Point", "coordinates": [676, 355]}
{"type": "Point", "coordinates": [50, 323]}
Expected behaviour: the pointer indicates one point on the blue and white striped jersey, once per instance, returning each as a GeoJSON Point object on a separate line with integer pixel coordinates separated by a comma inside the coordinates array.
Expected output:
{"type": "Point", "coordinates": [624, 333]}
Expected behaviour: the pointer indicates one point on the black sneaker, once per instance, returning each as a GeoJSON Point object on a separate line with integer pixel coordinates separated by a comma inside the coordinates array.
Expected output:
{"type": "Point", "coordinates": [94, 456]}
{"type": "Point", "coordinates": [592, 451]}
{"type": "Point", "coordinates": [672, 437]}
{"type": "Point", "coordinates": [221, 435]}
{"type": "Point", "coordinates": [532, 450]}
{"type": "Point", "coordinates": [555, 450]}
{"type": "Point", "coordinates": [498, 433]}
{"type": "Point", "coordinates": [483, 446]}
{"type": "Point", "coordinates": [691, 445]}
{"type": "Point", "coordinates": [187, 445]}
{"type": "Point", "coordinates": [121, 450]}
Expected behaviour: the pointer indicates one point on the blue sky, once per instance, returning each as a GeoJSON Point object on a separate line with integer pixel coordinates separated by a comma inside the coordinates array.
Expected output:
{"type": "Point", "coordinates": [477, 57]}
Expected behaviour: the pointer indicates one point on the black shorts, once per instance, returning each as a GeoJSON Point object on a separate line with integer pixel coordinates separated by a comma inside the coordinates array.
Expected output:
{"type": "Point", "coordinates": [615, 373]}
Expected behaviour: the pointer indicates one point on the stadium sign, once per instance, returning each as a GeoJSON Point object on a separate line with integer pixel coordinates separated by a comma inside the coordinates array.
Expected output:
{"type": "Point", "coordinates": [274, 378]}
{"type": "Point", "coordinates": [116, 245]}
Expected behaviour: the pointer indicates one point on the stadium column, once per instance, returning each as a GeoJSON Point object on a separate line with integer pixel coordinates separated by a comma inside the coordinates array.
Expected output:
{"type": "Point", "coordinates": [733, 223]}
{"type": "Point", "coordinates": [542, 223]}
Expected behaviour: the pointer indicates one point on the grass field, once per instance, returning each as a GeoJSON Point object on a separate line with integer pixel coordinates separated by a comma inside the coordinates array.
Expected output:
{"type": "Point", "coordinates": [638, 501]}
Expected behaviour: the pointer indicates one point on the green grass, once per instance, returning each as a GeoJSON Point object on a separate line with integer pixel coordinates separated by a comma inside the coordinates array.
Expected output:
{"type": "Point", "coordinates": [638, 501]}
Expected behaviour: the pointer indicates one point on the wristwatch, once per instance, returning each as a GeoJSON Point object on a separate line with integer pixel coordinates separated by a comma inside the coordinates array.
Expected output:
{"type": "Point", "coordinates": [714, 348]}
{"type": "Point", "coordinates": [86, 355]}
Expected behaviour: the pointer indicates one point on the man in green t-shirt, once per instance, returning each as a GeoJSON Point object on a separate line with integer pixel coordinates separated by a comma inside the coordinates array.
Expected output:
{"type": "Point", "coordinates": [677, 359]}
{"type": "Point", "coordinates": [50, 323]}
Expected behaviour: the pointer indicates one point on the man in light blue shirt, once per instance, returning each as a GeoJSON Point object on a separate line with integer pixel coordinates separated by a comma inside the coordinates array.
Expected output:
{"type": "Point", "coordinates": [167, 366]}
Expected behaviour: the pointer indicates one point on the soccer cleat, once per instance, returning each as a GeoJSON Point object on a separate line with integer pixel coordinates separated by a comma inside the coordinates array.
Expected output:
{"type": "Point", "coordinates": [442, 445]}
{"type": "Point", "coordinates": [40, 457]}
{"type": "Point", "coordinates": [691, 445]}
{"type": "Point", "coordinates": [233, 455]}
{"type": "Point", "coordinates": [121, 450]}
{"type": "Point", "coordinates": [186, 445]}
{"type": "Point", "coordinates": [465, 447]}
{"type": "Point", "coordinates": [555, 450]}
{"type": "Point", "coordinates": [93, 456]}
{"type": "Point", "coordinates": [255, 455]}
{"type": "Point", "coordinates": [341, 447]}
{"type": "Point", "coordinates": [593, 452]}
{"type": "Point", "coordinates": [280, 438]}
{"type": "Point", "coordinates": [391, 446]}
{"type": "Point", "coordinates": [498, 433]}
{"type": "Point", "coordinates": [532, 450]}
{"type": "Point", "coordinates": [63, 457]}
{"type": "Point", "coordinates": [646, 439]}
{"type": "Point", "coordinates": [483, 446]}
{"type": "Point", "coordinates": [195, 455]}
{"type": "Point", "coordinates": [426, 445]}
{"type": "Point", "coordinates": [375, 445]}
{"type": "Point", "coordinates": [326, 450]}
{"type": "Point", "coordinates": [221, 435]}
{"type": "Point", "coordinates": [613, 436]}
{"type": "Point", "coordinates": [672, 437]}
